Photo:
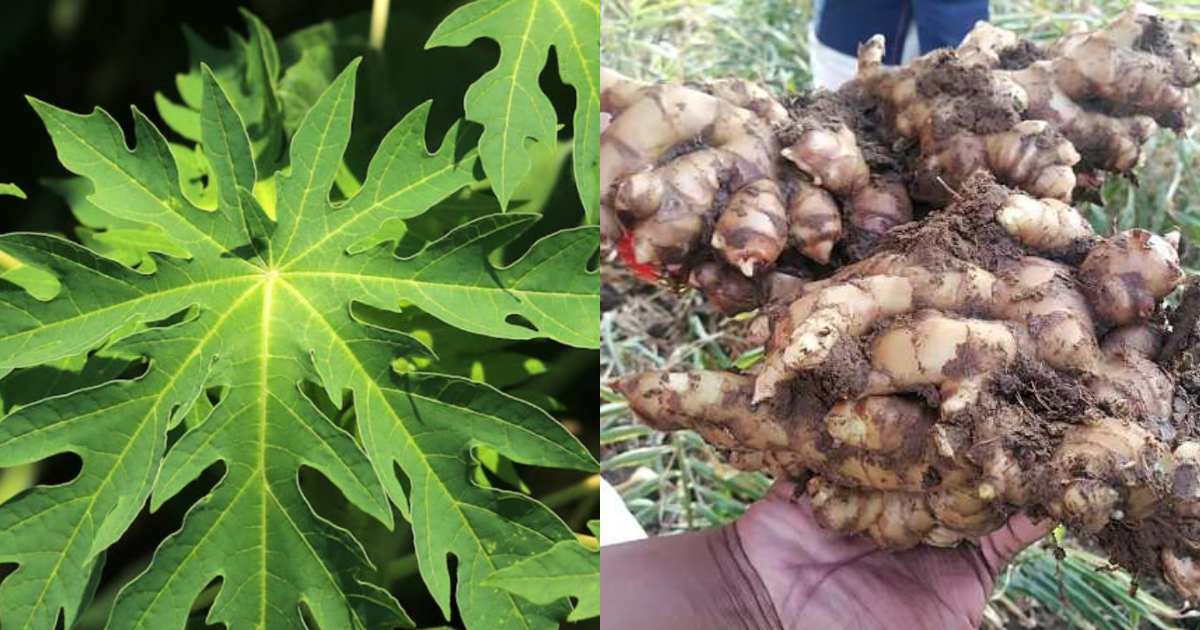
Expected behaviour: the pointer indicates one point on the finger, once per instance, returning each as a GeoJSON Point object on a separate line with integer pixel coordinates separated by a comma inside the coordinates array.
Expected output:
{"type": "Point", "coordinates": [784, 490]}
{"type": "Point", "coordinates": [1000, 546]}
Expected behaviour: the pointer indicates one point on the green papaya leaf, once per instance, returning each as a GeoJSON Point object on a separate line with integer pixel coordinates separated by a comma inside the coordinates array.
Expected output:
{"type": "Point", "coordinates": [568, 569]}
{"type": "Point", "coordinates": [12, 190]}
{"type": "Point", "coordinates": [256, 307]}
{"type": "Point", "coordinates": [248, 71]}
{"type": "Point", "coordinates": [506, 100]}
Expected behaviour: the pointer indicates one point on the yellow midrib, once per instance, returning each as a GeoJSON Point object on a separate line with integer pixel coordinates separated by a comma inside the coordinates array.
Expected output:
{"type": "Point", "coordinates": [365, 375]}
{"type": "Point", "coordinates": [264, 376]}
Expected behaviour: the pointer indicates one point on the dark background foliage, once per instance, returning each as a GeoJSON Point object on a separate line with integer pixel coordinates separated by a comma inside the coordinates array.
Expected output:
{"type": "Point", "coordinates": [80, 54]}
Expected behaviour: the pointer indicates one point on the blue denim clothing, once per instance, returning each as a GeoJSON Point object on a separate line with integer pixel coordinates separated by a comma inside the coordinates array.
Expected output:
{"type": "Point", "coordinates": [844, 24]}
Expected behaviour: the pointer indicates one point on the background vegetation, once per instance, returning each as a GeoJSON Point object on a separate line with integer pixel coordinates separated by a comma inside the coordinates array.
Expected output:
{"type": "Point", "coordinates": [675, 482]}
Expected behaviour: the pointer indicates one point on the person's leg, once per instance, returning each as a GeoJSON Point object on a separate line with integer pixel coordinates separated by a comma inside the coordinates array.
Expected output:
{"type": "Point", "coordinates": [830, 67]}
{"type": "Point", "coordinates": [944, 23]}
{"type": "Point", "coordinates": [840, 26]}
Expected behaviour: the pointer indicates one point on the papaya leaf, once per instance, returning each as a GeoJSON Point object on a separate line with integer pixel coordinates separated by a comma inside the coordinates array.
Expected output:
{"type": "Point", "coordinates": [12, 190]}
{"type": "Point", "coordinates": [507, 101]}
{"type": "Point", "coordinates": [259, 307]}
{"type": "Point", "coordinates": [37, 282]}
{"type": "Point", "coordinates": [61, 377]}
{"type": "Point", "coordinates": [568, 569]}
{"type": "Point", "coordinates": [248, 71]}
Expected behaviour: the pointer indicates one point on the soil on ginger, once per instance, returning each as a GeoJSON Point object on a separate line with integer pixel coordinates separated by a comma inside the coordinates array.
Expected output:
{"type": "Point", "coordinates": [970, 233]}
{"type": "Point", "coordinates": [1048, 402]}
{"type": "Point", "coordinates": [1182, 353]}
{"type": "Point", "coordinates": [978, 108]}
{"type": "Point", "coordinates": [1020, 56]}
{"type": "Point", "coordinates": [1156, 38]}
{"type": "Point", "coordinates": [1041, 403]}
{"type": "Point", "coordinates": [883, 150]}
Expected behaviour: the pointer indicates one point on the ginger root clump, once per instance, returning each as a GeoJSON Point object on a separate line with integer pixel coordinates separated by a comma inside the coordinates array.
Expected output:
{"type": "Point", "coordinates": [726, 174]}
{"type": "Point", "coordinates": [997, 356]}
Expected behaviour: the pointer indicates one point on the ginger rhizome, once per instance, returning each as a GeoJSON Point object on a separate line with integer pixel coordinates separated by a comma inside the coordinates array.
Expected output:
{"type": "Point", "coordinates": [997, 356]}
{"type": "Point", "coordinates": [673, 202]}
{"type": "Point", "coordinates": [1030, 115]}
{"type": "Point", "coordinates": [706, 180]}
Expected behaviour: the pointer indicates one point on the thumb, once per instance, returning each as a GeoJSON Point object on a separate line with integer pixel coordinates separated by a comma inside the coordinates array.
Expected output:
{"type": "Point", "coordinates": [1018, 533]}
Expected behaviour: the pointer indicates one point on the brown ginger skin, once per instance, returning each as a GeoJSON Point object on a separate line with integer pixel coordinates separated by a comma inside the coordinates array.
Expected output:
{"type": "Point", "coordinates": [669, 206]}
{"type": "Point", "coordinates": [724, 170]}
{"type": "Point", "coordinates": [924, 101]}
{"type": "Point", "coordinates": [1128, 255]}
{"type": "Point", "coordinates": [828, 152]}
{"type": "Point", "coordinates": [1089, 99]}
{"type": "Point", "coordinates": [752, 230]}
{"type": "Point", "coordinates": [724, 287]}
{"type": "Point", "coordinates": [713, 165]}
{"type": "Point", "coordinates": [964, 371]}
{"type": "Point", "coordinates": [935, 375]}
{"type": "Point", "coordinates": [814, 220]}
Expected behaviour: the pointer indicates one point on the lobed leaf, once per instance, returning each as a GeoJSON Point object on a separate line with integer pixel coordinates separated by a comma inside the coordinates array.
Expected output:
{"type": "Point", "coordinates": [568, 569]}
{"type": "Point", "coordinates": [255, 305]}
{"type": "Point", "coordinates": [248, 72]}
{"type": "Point", "coordinates": [507, 100]}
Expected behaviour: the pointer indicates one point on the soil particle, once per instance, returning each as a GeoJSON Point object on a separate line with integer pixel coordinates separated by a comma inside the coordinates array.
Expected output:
{"type": "Point", "coordinates": [818, 109]}
{"type": "Point", "coordinates": [1186, 406]}
{"type": "Point", "coordinates": [1030, 406]}
{"type": "Point", "coordinates": [1050, 395]}
{"type": "Point", "coordinates": [1183, 321]}
{"type": "Point", "coordinates": [842, 376]}
{"type": "Point", "coordinates": [1155, 37]}
{"type": "Point", "coordinates": [858, 111]}
{"type": "Point", "coordinates": [968, 360]}
{"type": "Point", "coordinates": [1136, 549]}
{"type": "Point", "coordinates": [967, 230]}
{"type": "Point", "coordinates": [1021, 55]}
{"type": "Point", "coordinates": [966, 98]}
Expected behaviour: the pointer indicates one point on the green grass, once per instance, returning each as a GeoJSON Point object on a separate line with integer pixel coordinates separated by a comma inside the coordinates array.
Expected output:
{"type": "Point", "coordinates": [764, 40]}
{"type": "Point", "coordinates": [676, 482]}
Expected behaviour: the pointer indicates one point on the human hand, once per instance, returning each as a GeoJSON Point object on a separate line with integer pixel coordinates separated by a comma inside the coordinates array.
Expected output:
{"type": "Point", "coordinates": [821, 579]}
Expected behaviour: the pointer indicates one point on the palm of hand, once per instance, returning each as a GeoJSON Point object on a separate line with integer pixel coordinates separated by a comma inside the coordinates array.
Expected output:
{"type": "Point", "coordinates": [821, 579]}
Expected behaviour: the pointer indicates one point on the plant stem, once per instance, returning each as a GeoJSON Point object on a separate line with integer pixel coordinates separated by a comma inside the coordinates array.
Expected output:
{"type": "Point", "coordinates": [586, 507]}
{"type": "Point", "coordinates": [379, 19]}
{"type": "Point", "coordinates": [584, 488]}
